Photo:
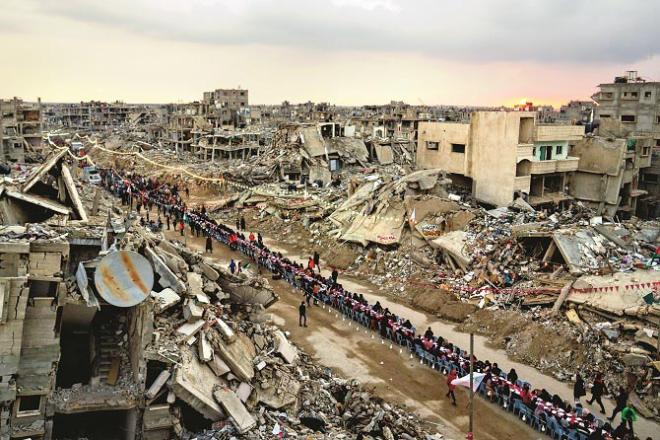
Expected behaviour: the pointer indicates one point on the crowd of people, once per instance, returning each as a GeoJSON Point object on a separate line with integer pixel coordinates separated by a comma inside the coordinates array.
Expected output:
{"type": "Point", "coordinates": [547, 412]}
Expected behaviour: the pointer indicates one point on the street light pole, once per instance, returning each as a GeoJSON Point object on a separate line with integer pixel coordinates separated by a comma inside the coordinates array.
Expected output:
{"type": "Point", "coordinates": [471, 433]}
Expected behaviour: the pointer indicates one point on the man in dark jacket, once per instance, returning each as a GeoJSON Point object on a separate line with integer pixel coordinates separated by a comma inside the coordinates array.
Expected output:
{"type": "Point", "coordinates": [317, 260]}
{"type": "Point", "coordinates": [302, 314]}
{"type": "Point", "coordinates": [578, 388]}
{"type": "Point", "coordinates": [621, 400]}
{"type": "Point", "coordinates": [597, 391]}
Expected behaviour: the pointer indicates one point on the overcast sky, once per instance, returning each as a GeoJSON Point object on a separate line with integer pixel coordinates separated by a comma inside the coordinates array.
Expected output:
{"type": "Point", "coordinates": [472, 52]}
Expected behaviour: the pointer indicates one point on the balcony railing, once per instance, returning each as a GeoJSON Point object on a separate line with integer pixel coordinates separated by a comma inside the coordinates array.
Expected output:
{"type": "Point", "coordinates": [554, 166]}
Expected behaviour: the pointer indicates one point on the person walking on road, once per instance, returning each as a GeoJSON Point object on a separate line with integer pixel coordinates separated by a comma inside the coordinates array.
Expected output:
{"type": "Point", "coordinates": [597, 391]}
{"type": "Point", "coordinates": [578, 388]}
{"type": "Point", "coordinates": [317, 260]}
{"type": "Point", "coordinates": [242, 223]}
{"type": "Point", "coordinates": [450, 393]}
{"type": "Point", "coordinates": [302, 314]}
{"type": "Point", "coordinates": [628, 416]}
{"type": "Point", "coordinates": [209, 244]}
{"type": "Point", "coordinates": [621, 400]}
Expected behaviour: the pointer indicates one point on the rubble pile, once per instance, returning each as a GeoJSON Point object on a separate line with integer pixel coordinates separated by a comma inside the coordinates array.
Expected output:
{"type": "Point", "coordinates": [220, 354]}
{"type": "Point", "coordinates": [403, 236]}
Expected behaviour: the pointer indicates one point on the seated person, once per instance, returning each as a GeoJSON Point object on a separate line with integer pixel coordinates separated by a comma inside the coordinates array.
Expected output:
{"type": "Point", "coordinates": [512, 376]}
{"type": "Point", "coordinates": [428, 334]}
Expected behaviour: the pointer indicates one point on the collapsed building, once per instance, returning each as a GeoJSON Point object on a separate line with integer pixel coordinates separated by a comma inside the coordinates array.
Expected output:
{"type": "Point", "coordinates": [111, 331]}
{"type": "Point", "coordinates": [607, 177]}
{"type": "Point", "coordinates": [20, 129]}
{"type": "Point", "coordinates": [88, 115]}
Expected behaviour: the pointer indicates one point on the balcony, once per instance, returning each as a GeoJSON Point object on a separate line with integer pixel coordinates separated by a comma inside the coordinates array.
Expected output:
{"type": "Point", "coordinates": [522, 183]}
{"type": "Point", "coordinates": [524, 151]}
{"type": "Point", "coordinates": [554, 166]}
{"type": "Point", "coordinates": [567, 165]}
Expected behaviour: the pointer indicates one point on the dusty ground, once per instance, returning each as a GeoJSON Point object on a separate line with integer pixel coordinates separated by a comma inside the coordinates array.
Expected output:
{"type": "Point", "coordinates": [530, 345]}
{"type": "Point", "coordinates": [353, 352]}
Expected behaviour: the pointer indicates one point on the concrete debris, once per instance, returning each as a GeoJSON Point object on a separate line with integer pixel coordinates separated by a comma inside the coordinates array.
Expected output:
{"type": "Point", "coordinates": [234, 408]}
{"type": "Point", "coordinates": [165, 299]}
{"type": "Point", "coordinates": [284, 348]}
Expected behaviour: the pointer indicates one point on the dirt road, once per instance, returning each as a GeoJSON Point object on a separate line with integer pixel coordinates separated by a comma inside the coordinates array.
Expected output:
{"type": "Point", "coordinates": [354, 352]}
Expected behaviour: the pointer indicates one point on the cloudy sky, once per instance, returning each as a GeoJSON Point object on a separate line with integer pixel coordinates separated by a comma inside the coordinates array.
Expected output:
{"type": "Point", "coordinates": [472, 52]}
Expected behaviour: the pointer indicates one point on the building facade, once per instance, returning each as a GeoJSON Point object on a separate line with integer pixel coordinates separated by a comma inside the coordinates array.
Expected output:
{"type": "Point", "coordinates": [231, 105]}
{"type": "Point", "coordinates": [499, 155]}
{"type": "Point", "coordinates": [630, 107]}
{"type": "Point", "coordinates": [20, 129]}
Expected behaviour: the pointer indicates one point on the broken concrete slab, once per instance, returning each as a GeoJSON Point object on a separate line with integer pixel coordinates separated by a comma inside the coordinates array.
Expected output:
{"type": "Point", "coordinates": [191, 328]}
{"type": "Point", "coordinates": [209, 272]}
{"type": "Point", "coordinates": [165, 299]}
{"type": "Point", "coordinates": [195, 284]}
{"type": "Point", "coordinates": [284, 348]}
{"type": "Point", "coordinates": [219, 367]}
{"type": "Point", "coordinates": [280, 392]}
{"type": "Point", "coordinates": [238, 355]}
{"type": "Point", "coordinates": [167, 277]}
{"type": "Point", "coordinates": [243, 391]}
{"type": "Point", "coordinates": [227, 333]}
{"type": "Point", "coordinates": [158, 384]}
{"type": "Point", "coordinates": [233, 406]}
{"type": "Point", "coordinates": [204, 348]}
{"type": "Point", "coordinates": [193, 383]}
{"type": "Point", "coordinates": [191, 311]}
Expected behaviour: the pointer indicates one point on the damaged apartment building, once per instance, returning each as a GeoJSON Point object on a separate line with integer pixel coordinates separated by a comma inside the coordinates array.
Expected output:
{"type": "Point", "coordinates": [629, 107]}
{"type": "Point", "coordinates": [88, 116]}
{"type": "Point", "coordinates": [20, 129]}
{"type": "Point", "coordinates": [221, 109]}
{"type": "Point", "coordinates": [498, 156]}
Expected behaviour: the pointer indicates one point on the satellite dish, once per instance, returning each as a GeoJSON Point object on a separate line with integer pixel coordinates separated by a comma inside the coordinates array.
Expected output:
{"type": "Point", "coordinates": [124, 278]}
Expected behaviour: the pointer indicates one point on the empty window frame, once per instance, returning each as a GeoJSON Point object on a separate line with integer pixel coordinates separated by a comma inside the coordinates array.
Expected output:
{"type": "Point", "coordinates": [628, 118]}
{"type": "Point", "coordinates": [559, 149]}
{"type": "Point", "coordinates": [458, 148]}
{"type": "Point", "coordinates": [432, 145]}
{"type": "Point", "coordinates": [28, 405]}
